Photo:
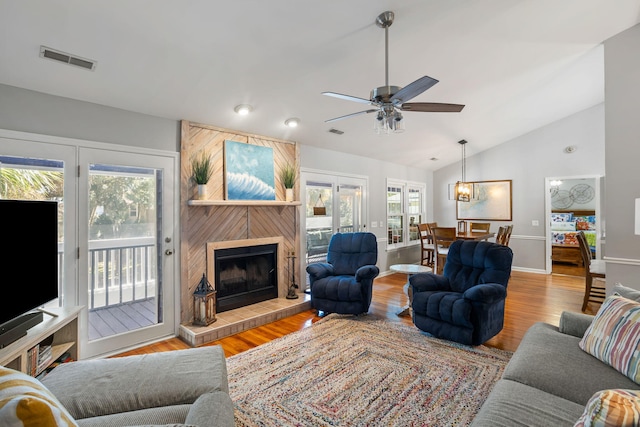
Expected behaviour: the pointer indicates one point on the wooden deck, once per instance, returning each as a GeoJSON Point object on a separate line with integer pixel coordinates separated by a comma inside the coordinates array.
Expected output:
{"type": "Point", "coordinates": [108, 321]}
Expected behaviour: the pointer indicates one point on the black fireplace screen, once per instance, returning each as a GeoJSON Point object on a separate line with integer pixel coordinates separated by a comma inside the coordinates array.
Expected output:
{"type": "Point", "coordinates": [245, 276]}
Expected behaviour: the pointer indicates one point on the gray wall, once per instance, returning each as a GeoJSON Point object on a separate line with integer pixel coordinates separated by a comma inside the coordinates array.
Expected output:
{"type": "Point", "coordinates": [35, 112]}
{"type": "Point", "coordinates": [622, 92]}
{"type": "Point", "coordinates": [527, 161]}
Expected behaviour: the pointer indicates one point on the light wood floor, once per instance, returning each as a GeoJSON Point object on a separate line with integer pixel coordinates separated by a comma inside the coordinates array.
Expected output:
{"type": "Point", "coordinates": [531, 298]}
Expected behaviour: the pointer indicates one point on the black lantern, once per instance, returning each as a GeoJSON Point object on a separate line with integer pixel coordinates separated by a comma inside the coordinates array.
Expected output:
{"type": "Point", "coordinates": [204, 303]}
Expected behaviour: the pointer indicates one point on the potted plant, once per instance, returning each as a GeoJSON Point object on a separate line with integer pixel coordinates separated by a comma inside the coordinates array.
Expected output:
{"type": "Point", "coordinates": [201, 171]}
{"type": "Point", "coordinates": [288, 175]}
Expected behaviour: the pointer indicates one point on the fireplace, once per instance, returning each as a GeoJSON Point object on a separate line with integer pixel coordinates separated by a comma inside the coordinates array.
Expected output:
{"type": "Point", "coordinates": [245, 275]}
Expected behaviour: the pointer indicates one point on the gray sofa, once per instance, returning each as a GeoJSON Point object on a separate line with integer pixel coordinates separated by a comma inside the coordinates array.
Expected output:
{"type": "Point", "coordinates": [549, 379]}
{"type": "Point", "coordinates": [182, 387]}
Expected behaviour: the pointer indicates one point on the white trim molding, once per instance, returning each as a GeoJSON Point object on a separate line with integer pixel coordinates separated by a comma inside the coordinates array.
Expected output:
{"type": "Point", "coordinates": [623, 261]}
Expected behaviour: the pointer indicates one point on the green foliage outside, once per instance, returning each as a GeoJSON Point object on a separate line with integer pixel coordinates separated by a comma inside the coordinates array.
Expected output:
{"type": "Point", "coordinates": [119, 206]}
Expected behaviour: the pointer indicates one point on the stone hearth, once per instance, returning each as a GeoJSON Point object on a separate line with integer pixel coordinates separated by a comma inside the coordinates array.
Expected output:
{"type": "Point", "coordinates": [244, 318]}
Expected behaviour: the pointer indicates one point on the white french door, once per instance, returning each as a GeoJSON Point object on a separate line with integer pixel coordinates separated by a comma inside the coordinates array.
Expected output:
{"type": "Point", "coordinates": [117, 207]}
{"type": "Point", "coordinates": [126, 254]}
{"type": "Point", "coordinates": [333, 203]}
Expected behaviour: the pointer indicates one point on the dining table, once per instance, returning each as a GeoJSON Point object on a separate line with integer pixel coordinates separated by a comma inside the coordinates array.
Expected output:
{"type": "Point", "coordinates": [474, 235]}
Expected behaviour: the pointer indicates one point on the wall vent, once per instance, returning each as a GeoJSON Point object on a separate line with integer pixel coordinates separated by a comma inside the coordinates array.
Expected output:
{"type": "Point", "coordinates": [67, 58]}
{"type": "Point", "coordinates": [336, 131]}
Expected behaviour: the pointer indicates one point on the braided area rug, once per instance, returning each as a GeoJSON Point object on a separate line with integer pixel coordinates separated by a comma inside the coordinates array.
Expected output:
{"type": "Point", "coordinates": [361, 371]}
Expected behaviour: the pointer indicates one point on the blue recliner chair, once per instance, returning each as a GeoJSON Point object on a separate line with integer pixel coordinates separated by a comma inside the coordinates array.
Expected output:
{"type": "Point", "coordinates": [466, 303]}
{"type": "Point", "coordinates": [344, 284]}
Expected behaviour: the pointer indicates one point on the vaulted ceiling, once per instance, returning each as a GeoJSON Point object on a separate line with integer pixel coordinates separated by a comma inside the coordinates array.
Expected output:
{"type": "Point", "coordinates": [516, 65]}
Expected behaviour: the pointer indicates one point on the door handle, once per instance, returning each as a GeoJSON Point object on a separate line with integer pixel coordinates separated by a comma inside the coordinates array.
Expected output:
{"type": "Point", "coordinates": [168, 252]}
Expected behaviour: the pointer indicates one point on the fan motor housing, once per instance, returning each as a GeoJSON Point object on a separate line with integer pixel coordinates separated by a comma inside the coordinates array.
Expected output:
{"type": "Point", "coordinates": [384, 93]}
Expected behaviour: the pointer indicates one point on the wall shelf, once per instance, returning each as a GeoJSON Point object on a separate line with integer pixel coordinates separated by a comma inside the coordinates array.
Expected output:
{"type": "Point", "coordinates": [242, 203]}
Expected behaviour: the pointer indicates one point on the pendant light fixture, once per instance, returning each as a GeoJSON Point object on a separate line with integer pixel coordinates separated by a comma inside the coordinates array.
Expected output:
{"type": "Point", "coordinates": [464, 189]}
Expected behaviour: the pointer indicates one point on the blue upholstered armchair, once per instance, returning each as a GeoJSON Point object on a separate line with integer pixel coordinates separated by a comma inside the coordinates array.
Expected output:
{"type": "Point", "coordinates": [466, 303]}
{"type": "Point", "coordinates": [344, 284]}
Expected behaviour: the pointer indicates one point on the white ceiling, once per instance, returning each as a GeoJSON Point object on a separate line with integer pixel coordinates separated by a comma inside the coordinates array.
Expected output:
{"type": "Point", "coordinates": [516, 64]}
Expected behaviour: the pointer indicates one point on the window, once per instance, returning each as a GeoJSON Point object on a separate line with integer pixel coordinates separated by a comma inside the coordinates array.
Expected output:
{"type": "Point", "coordinates": [405, 210]}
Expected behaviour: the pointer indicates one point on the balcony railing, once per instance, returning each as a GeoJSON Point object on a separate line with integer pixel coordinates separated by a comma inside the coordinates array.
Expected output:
{"type": "Point", "coordinates": [120, 271]}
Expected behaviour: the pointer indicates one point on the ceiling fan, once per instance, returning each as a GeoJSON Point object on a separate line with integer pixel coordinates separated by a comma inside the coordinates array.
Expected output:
{"type": "Point", "coordinates": [391, 100]}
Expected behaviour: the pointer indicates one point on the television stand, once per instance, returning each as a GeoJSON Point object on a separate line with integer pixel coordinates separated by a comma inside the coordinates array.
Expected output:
{"type": "Point", "coordinates": [60, 332]}
{"type": "Point", "coordinates": [17, 328]}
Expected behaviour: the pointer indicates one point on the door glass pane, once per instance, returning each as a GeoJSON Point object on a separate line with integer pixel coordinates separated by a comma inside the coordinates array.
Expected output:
{"type": "Point", "coordinates": [350, 212]}
{"type": "Point", "coordinates": [319, 220]}
{"type": "Point", "coordinates": [23, 178]}
{"type": "Point", "coordinates": [124, 282]}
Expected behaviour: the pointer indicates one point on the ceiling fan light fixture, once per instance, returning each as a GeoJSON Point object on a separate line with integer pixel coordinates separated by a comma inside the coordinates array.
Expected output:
{"type": "Point", "coordinates": [387, 122]}
{"type": "Point", "coordinates": [292, 122]}
{"type": "Point", "coordinates": [243, 109]}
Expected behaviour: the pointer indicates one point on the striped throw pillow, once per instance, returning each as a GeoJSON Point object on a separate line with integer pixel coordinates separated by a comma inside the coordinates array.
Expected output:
{"type": "Point", "coordinates": [614, 407]}
{"type": "Point", "coordinates": [614, 336]}
{"type": "Point", "coordinates": [25, 402]}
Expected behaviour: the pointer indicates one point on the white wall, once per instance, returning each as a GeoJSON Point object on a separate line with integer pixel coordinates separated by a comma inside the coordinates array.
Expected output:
{"type": "Point", "coordinates": [622, 92]}
{"type": "Point", "coordinates": [527, 161]}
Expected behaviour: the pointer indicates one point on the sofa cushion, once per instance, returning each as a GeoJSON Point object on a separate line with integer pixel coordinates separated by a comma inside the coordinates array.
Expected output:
{"type": "Point", "coordinates": [201, 414]}
{"type": "Point", "coordinates": [513, 404]}
{"type": "Point", "coordinates": [552, 362]}
{"type": "Point", "coordinates": [614, 336]}
{"type": "Point", "coordinates": [627, 292]}
{"type": "Point", "coordinates": [24, 401]}
{"type": "Point", "coordinates": [612, 408]}
{"type": "Point", "coordinates": [174, 415]}
{"type": "Point", "coordinates": [191, 373]}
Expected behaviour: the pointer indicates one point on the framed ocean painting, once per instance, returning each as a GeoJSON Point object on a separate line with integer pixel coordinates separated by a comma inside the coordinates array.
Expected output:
{"type": "Point", "coordinates": [249, 172]}
{"type": "Point", "coordinates": [491, 201]}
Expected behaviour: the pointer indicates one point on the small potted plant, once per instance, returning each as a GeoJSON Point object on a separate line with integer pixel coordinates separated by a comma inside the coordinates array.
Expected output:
{"type": "Point", "coordinates": [288, 175]}
{"type": "Point", "coordinates": [201, 171]}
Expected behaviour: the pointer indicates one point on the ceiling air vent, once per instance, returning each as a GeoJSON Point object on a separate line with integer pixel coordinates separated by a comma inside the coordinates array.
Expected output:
{"type": "Point", "coordinates": [67, 58]}
{"type": "Point", "coordinates": [336, 131]}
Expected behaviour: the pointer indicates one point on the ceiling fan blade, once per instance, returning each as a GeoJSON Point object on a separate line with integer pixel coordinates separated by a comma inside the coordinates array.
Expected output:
{"type": "Point", "coordinates": [347, 97]}
{"type": "Point", "coordinates": [431, 107]}
{"type": "Point", "coordinates": [413, 89]}
{"type": "Point", "coordinates": [352, 115]}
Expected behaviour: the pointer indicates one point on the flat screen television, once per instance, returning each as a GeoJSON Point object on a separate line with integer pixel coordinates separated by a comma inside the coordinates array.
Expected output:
{"type": "Point", "coordinates": [28, 259]}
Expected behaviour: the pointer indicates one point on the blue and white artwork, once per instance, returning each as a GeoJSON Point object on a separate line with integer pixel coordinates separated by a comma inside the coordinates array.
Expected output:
{"type": "Point", "coordinates": [249, 171]}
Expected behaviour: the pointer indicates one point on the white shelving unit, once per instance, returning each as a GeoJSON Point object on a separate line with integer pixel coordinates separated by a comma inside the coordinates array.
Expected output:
{"type": "Point", "coordinates": [63, 329]}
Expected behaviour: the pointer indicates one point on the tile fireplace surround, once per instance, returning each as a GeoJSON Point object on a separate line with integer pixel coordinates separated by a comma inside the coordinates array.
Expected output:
{"type": "Point", "coordinates": [244, 318]}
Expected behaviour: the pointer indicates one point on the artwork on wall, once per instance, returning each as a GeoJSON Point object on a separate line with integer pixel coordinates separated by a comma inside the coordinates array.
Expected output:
{"type": "Point", "coordinates": [249, 172]}
{"type": "Point", "coordinates": [491, 201]}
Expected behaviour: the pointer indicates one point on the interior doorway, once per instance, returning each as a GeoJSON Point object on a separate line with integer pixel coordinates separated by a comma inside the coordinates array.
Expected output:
{"type": "Point", "coordinates": [573, 204]}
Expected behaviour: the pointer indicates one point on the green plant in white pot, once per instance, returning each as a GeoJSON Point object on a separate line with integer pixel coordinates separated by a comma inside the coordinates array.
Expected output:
{"type": "Point", "coordinates": [288, 175]}
{"type": "Point", "coordinates": [201, 171]}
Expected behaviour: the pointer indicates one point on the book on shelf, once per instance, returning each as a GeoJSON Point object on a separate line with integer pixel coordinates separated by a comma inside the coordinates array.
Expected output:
{"type": "Point", "coordinates": [32, 360]}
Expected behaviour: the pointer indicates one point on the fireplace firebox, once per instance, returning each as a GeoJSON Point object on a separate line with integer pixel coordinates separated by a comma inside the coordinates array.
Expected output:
{"type": "Point", "coordinates": [245, 275]}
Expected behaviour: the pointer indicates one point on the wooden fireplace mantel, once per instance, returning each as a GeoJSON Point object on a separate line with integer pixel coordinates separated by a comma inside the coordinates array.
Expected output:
{"type": "Point", "coordinates": [242, 203]}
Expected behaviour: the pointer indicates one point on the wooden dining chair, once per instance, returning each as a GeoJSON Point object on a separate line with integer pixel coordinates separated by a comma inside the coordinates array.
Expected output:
{"type": "Point", "coordinates": [508, 234]}
{"type": "Point", "coordinates": [426, 242]}
{"type": "Point", "coordinates": [504, 234]}
{"type": "Point", "coordinates": [593, 268]}
{"type": "Point", "coordinates": [479, 226]}
{"type": "Point", "coordinates": [443, 237]}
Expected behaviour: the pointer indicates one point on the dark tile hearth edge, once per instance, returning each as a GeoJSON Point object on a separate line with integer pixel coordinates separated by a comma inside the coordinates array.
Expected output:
{"type": "Point", "coordinates": [241, 319]}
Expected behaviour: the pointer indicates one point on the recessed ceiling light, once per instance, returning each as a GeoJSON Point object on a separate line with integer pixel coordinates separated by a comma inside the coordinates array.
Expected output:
{"type": "Point", "coordinates": [243, 109]}
{"type": "Point", "coordinates": [292, 122]}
